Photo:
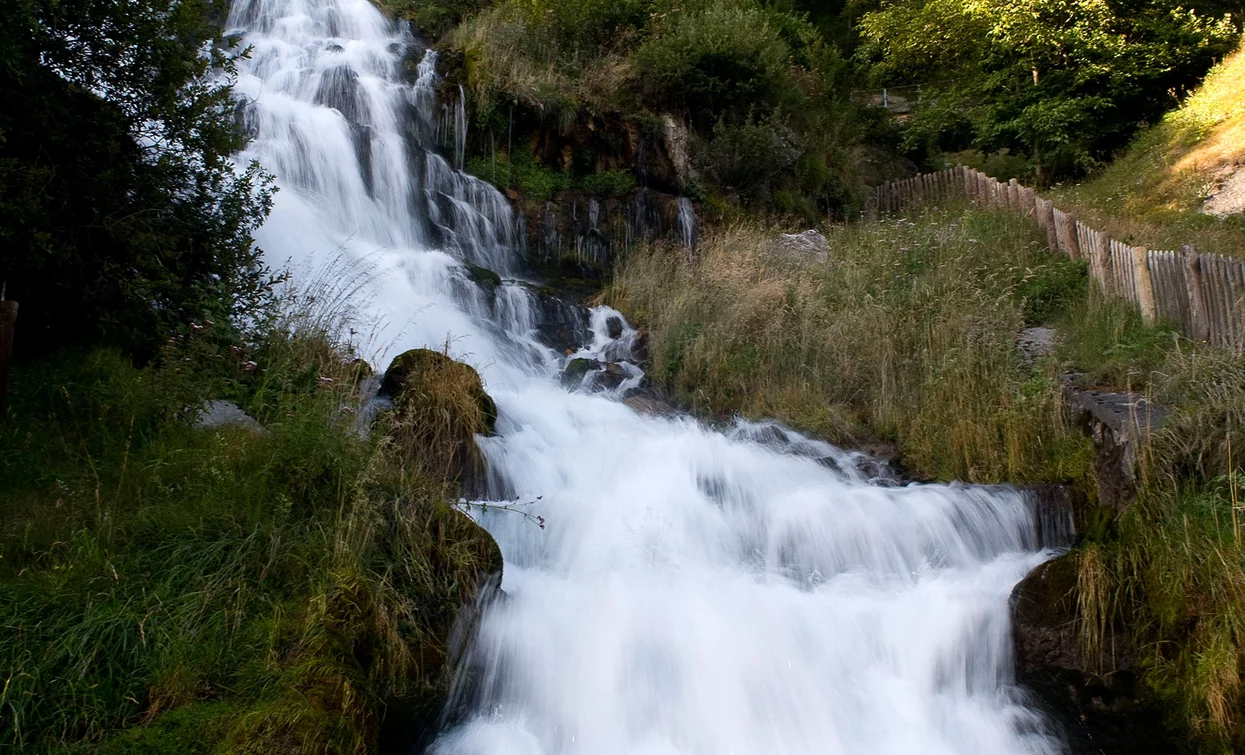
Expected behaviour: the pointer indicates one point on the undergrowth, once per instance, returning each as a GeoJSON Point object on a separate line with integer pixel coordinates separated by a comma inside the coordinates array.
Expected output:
{"type": "Point", "coordinates": [908, 333]}
{"type": "Point", "coordinates": [169, 589]}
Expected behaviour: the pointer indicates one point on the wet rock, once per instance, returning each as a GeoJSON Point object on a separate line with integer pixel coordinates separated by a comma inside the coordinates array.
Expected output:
{"type": "Point", "coordinates": [217, 414]}
{"type": "Point", "coordinates": [614, 327]}
{"type": "Point", "coordinates": [648, 405]}
{"type": "Point", "coordinates": [1096, 700]}
{"type": "Point", "coordinates": [612, 376]}
{"type": "Point", "coordinates": [560, 324]}
{"type": "Point", "coordinates": [576, 369]}
{"type": "Point", "coordinates": [482, 276]}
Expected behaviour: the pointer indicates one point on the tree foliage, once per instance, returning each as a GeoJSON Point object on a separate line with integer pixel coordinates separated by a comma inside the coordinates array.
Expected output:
{"type": "Point", "coordinates": [1066, 82]}
{"type": "Point", "coordinates": [120, 210]}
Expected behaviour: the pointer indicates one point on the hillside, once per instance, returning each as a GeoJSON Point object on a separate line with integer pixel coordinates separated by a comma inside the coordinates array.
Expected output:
{"type": "Point", "coordinates": [1183, 180]}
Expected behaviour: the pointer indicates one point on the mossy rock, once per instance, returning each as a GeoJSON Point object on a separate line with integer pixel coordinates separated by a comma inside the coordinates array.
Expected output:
{"type": "Point", "coordinates": [419, 377]}
{"type": "Point", "coordinates": [439, 408]}
{"type": "Point", "coordinates": [576, 369]}
{"type": "Point", "coordinates": [482, 275]}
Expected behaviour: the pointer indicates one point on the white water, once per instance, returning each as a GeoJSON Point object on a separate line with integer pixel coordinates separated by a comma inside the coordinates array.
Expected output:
{"type": "Point", "coordinates": [694, 591]}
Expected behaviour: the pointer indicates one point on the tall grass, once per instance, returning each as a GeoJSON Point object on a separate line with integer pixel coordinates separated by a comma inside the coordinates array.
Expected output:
{"type": "Point", "coordinates": [908, 332]}
{"type": "Point", "coordinates": [167, 589]}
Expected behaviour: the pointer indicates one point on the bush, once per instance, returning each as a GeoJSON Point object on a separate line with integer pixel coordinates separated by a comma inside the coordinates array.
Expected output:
{"type": "Point", "coordinates": [722, 58]}
{"type": "Point", "coordinates": [747, 156]}
{"type": "Point", "coordinates": [120, 212]}
{"type": "Point", "coordinates": [609, 183]}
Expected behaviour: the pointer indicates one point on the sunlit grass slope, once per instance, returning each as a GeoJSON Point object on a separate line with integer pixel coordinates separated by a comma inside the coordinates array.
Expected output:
{"type": "Point", "coordinates": [1153, 194]}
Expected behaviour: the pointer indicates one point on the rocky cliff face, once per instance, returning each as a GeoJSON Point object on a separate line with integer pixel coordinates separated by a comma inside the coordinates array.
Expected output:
{"type": "Point", "coordinates": [577, 233]}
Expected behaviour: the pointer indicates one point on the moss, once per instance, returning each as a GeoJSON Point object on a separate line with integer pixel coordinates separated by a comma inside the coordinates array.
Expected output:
{"type": "Point", "coordinates": [482, 275]}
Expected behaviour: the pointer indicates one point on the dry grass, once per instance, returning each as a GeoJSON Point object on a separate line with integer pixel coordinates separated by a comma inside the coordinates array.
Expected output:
{"type": "Point", "coordinates": [908, 334]}
{"type": "Point", "coordinates": [1152, 195]}
{"type": "Point", "coordinates": [509, 54]}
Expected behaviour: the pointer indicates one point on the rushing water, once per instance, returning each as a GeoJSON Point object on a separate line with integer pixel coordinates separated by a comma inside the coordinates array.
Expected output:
{"type": "Point", "coordinates": [738, 592]}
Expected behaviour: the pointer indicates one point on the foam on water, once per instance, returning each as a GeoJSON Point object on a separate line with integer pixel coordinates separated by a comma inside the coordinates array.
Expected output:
{"type": "Point", "coordinates": [740, 591]}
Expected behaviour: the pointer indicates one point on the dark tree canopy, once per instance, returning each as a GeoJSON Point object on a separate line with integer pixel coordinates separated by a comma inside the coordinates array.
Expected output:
{"type": "Point", "coordinates": [121, 215]}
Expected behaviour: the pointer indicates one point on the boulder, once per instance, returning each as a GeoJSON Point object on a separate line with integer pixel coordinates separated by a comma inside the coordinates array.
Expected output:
{"type": "Point", "coordinates": [809, 246]}
{"type": "Point", "coordinates": [423, 375]}
{"type": "Point", "coordinates": [216, 414]}
{"type": "Point", "coordinates": [439, 407]}
{"type": "Point", "coordinates": [1094, 698]}
{"type": "Point", "coordinates": [576, 369]}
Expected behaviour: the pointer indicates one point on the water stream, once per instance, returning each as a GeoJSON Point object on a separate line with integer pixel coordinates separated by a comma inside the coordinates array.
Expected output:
{"type": "Point", "coordinates": [739, 591]}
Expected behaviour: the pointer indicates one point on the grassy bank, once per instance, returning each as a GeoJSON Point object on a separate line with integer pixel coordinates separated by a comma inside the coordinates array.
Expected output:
{"type": "Point", "coordinates": [1153, 194]}
{"type": "Point", "coordinates": [907, 335]}
{"type": "Point", "coordinates": [167, 589]}
{"type": "Point", "coordinates": [1169, 576]}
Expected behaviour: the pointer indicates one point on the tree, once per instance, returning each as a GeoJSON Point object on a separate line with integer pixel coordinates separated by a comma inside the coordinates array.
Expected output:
{"type": "Point", "coordinates": [1065, 81]}
{"type": "Point", "coordinates": [121, 213]}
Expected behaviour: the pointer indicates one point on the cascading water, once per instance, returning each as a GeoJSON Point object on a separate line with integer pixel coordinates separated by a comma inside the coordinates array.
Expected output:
{"type": "Point", "coordinates": [694, 590]}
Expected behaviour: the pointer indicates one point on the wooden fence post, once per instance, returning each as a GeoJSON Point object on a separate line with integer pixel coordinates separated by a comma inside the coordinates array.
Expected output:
{"type": "Point", "coordinates": [1048, 221]}
{"type": "Point", "coordinates": [1199, 322]}
{"type": "Point", "coordinates": [1074, 247]}
{"type": "Point", "coordinates": [8, 325]}
{"type": "Point", "coordinates": [1100, 261]}
{"type": "Point", "coordinates": [1144, 284]}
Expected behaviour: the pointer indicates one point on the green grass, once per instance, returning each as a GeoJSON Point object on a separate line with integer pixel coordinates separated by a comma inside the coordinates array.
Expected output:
{"type": "Point", "coordinates": [908, 334]}
{"type": "Point", "coordinates": [165, 589]}
{"type": "Point", "coordinates": [1152, 195]}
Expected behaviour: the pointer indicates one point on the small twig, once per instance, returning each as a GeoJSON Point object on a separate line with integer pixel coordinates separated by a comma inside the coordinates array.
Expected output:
{"type": "Point", "coordinates": [515, 507]}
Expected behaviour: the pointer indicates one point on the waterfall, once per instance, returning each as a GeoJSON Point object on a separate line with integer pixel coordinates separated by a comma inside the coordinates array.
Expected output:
{"type": "Point", "coordinates": [695, 589]}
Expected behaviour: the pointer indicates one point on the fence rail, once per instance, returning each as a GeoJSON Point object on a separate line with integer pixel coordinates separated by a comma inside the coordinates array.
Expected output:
{"type": "Point", "coordinates": [1202, 293]}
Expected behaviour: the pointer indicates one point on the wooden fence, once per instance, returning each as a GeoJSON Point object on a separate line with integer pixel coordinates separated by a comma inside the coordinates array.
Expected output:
{"type": "Point", "coordinates": [1202, 293]}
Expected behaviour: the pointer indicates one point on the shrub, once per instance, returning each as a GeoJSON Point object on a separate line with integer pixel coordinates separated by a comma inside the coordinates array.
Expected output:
{"type": "Point", "coordinates": [609, 183]}
{"type": "Point", "coordinates": [747, 156]}
{"type": "Point", "coordinates": [724, 57]}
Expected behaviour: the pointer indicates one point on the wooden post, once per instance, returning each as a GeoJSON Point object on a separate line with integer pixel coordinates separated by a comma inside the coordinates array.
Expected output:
{"type": "Point", "coordinates": [1048, 221]}
{"type": "Point", "coordinates": [8, 325]}
{"type": "Point", "coordinates": [1198, 320]}
{"type": "Point", "coordinates": [1013, 194]}
{"type": "Point", "coordinates": [1144, 284]}
{"type": "Point", "coordinates": [1101, 262]}
{"type": "Point", "coordinates": [1074, 248]}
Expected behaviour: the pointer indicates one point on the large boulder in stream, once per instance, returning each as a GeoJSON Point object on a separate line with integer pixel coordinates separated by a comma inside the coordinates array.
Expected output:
{"type": "Point", "coordinates": [1091, 691]}
{"type": "Point", "coordinates": [439, 407]}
